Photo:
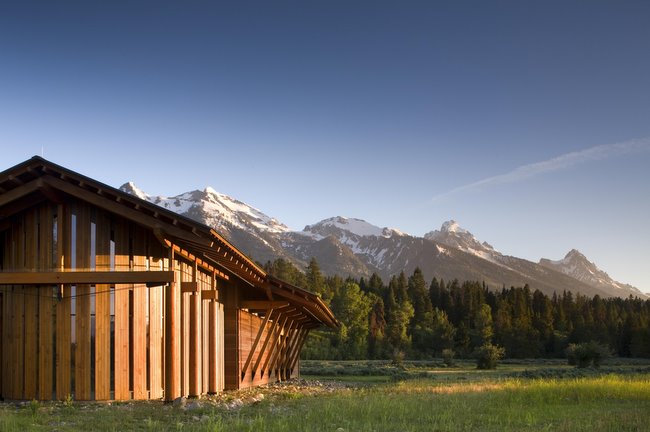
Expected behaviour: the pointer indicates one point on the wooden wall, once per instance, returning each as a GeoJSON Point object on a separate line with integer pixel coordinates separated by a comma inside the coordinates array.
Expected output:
{"type": "Point", "coordinates": [104, 341]}
{"type": "Point", "coordinates": [127, 341]}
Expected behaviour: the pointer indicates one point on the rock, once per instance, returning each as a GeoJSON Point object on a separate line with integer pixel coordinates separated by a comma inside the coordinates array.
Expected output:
{"type": "Point", "coordinates": [180, 402]}
{"type": "Point", "coordinates": [193, 406]}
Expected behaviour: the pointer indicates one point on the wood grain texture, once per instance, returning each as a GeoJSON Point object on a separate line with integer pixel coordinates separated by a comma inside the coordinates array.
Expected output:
{"type": "Point", "coordinates": [45, 307]}
{"type": "Point", "coordinates": [121, 327]}
{"type": "Point", "coordinates": [82, 303]}
{"type": "Point", "coordinates": [103, 309]}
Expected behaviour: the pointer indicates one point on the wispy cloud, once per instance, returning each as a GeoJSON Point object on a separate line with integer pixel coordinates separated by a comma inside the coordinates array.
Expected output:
{"type": "Point", "coordinates": [555, 164]}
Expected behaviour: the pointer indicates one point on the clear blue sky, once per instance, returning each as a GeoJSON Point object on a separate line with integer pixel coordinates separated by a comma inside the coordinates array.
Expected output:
{"type": "Point", "coordinates": [528, 122]}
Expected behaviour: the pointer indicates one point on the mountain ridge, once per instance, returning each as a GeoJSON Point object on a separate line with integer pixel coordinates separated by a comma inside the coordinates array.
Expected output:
{"type": "Point", "coordinates": [354, 247]}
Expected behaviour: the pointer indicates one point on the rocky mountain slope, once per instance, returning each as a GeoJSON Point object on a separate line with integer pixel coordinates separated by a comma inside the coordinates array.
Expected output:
{"type": "Point", "coordinates": [354, 247]}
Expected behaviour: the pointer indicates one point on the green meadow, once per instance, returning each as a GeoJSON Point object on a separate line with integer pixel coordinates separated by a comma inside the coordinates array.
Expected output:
{"type": "Point", "coordinates": [379, 396]}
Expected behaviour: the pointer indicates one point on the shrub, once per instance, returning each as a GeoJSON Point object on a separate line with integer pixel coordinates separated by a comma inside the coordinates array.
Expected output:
{"type": "Point", "coordinates": [488, 355]}
{"type": "Point", "coordinates": [588, 353]}
{"type": "Point", "coordinates": [448, 357]}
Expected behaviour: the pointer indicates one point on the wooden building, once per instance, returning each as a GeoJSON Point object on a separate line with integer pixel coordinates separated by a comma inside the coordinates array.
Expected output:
{"type": "Point", "coordinates": [104, 296]}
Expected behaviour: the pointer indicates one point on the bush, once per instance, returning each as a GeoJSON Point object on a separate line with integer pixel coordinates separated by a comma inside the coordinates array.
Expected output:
{"type": "Point", "coordinates": [588, 353]}
{"type": "Point", "coordinates": [448, 357]}
{"type": "Point", "coordinates": [488, 355]}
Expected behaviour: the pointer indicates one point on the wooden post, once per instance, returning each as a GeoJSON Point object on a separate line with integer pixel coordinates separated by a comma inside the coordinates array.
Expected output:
{"type": "Point", "coordinates": [45, 306]}
{"type": "Point", "coordinates": [172, 334]}
{"type": "Point", "coordinates": [122, 318]}
{"type": "Point", "coordinates": [140, 309]}
{"type": "Point", "coordinates": [102, 309]}
{"type": "Point", "coordinates": [231, 336]}
{"type": "Point", "coordinates": [31, 307]}
{"type": "Point", "coordinates": [63, 326]}
{"type": "Point", "coordinates": [213, 379]}
{"type": "Point", "coordinates": [156, 346]}
{"type": "Point", "coordinates": [195, 345]}
{"type": "Point", "coordinates": [82, 304]}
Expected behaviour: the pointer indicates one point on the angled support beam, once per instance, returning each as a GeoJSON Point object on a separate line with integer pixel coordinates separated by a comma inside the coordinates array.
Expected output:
{"type": "Point", "coordinates": [298, 348]}
{"type": "Point", "coordinates": [251, 353]}
{"type": "Point", "coordinates": [274, 346]}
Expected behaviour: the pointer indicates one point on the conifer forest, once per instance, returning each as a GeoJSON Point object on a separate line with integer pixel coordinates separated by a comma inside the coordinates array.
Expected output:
{"type": "Point", "coordinates": [409, 317]}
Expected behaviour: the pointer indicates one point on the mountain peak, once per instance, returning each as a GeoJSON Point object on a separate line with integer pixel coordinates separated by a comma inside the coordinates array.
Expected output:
{"type": "Point", "coordinates": [357, 227]}
{"type": "Point", "coordinates": [451, 234]}
{"type": "Point", "coordinates": [578, 266]}
{"type": "Point", "coordinates": [132, 189]}
{"type": "Point", "coordinates": [574, 253]}
{"type": "Point", "coordinates": [210, 191]}
{"type": "Point", "coordinates": [452, 226]}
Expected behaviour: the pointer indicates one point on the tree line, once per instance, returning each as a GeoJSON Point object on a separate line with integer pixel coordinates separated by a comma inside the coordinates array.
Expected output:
{"type": "Point", "coordinates": [408, 317]}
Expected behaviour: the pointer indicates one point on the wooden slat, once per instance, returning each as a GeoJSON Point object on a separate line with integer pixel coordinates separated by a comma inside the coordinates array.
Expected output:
{"type": "Point", "coordinates": [63, 356]}
{"type": "Point", "coordinates": [102, 309]}
{"type": "Point", "coordinates": [140, 309]}
{"type": "Point", "coordinates": [84, 277]}
{"type": "Point", "coordinates": [82, 304]}
{"type": "Point", "coordinates": [2, 338]}
{"type": "Point", "coordinates": [156, 347]}
{"type": "Point", "coordinates": [253, 348]}
{"type": "Point", "coordinates": [263, 351]}
{"type": "Point", "coordinates": [185, 333]}
{"type": "Point", "coordinates": [213, 379]}
{"type": "Point", "coordinates": [172, 335]}
{"type": "Point", "coordinates": [299, 345]}
{"type": "Point", "coordinates": [31, 308]}
{"type": "Point", "coordinates": [45, 307]}
{"type": "Point", "coordinates": [155, 343]}
{"type": "Point", "coordinates": [121, 328]}
{"type": "Point", "coordinates": [231, 336]}
{"type": "Point", "coordinates": [291, 351]}
{"type": "Point", "coordinates": [267, 367]}
{"type": "Point", "coordinates": [63, 307]}
{"type": "Point", "coordinates": [7, 341]}
{"type": "Point", "coordinates": [194, 387]}
{"type": "Point", "coordinates": [205, 342]}
{"type": "Point", "coordinates": [18, 315]}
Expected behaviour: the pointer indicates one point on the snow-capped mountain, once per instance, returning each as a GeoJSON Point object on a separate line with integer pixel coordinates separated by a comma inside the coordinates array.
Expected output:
{"type": "Point", "coordinates": [576, 265]}
{"type": "Point", "coordinates": [451, 234]}
{"type": "Point", "coordinates": [354, 247]}
{"type": "Point", "coordinates": [214, 209]}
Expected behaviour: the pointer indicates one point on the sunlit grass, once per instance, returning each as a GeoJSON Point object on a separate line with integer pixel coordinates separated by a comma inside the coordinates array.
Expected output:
{"type": "Point", "coordinates": [462, 401]}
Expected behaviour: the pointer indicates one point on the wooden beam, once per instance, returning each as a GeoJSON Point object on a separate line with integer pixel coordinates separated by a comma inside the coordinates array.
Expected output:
{"type": "Point", "coordinates": [251, 353]}
{"type": "Point", "coordinates": [262, 304]}
{"type": "Point", "coordinates": [85, 277]}
{"type": "Point", "coordinates": [209, 295]}
{"type": "Point", "coordinates": [115, 207]}
{"type": "Point", "coordinates": [20, 191]}
{"type": "Point", "coordinates": [190, 287]}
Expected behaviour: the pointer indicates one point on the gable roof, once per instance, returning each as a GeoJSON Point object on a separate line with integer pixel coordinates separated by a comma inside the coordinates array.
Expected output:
{"type": "Point", "coordinates": [39, 179]}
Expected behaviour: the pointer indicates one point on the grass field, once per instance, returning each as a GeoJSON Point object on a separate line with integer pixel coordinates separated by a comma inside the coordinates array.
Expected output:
{"type": "Point", "coordinates": [377, 396]}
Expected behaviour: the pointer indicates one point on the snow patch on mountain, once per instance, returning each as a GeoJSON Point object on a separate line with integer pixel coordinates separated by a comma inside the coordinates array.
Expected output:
{"type": "Point", "coordinates": [214, 209]}
{"type": "Point", "coordinates": [356, 227]}
{"type": "Point", "coordinates": [451, 234]}
{"type": "Point", "coordinates": [576, 265]}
